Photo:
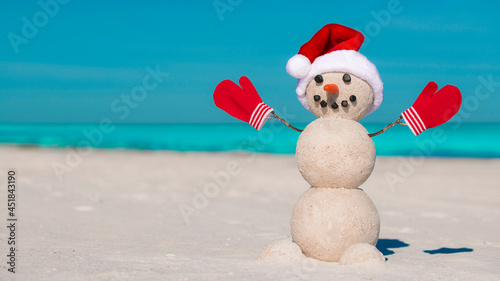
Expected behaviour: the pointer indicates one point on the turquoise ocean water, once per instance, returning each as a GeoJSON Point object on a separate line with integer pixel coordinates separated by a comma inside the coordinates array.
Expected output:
{"type": "Point", "coordinates": [450, 140]}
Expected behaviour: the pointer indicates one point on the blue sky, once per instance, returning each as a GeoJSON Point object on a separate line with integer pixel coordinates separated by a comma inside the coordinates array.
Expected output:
{"type": "Point", "coordinates": [88, 54]}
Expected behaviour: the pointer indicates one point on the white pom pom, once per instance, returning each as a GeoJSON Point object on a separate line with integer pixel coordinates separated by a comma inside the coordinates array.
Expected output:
{"type": "Point", "coordinates": [298, 66]}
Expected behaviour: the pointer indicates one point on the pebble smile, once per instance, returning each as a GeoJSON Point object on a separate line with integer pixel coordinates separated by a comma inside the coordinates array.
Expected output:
{"type": "Point", "coordinates": [334, 105]}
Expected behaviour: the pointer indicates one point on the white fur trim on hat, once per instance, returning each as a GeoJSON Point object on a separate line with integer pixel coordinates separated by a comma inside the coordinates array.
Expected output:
{"type": "Point", "coordinates": [298, 66]}
{"type": "Point", "coordinates": [347, 61]}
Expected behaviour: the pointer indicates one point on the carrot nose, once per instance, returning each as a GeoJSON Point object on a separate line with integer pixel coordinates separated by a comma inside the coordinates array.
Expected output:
{"type": "Point", "coordinates": [331, 88]}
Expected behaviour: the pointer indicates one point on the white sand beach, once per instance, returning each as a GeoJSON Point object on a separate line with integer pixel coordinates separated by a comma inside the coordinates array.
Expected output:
{"type": "Point", "coordinates": [143, 215]}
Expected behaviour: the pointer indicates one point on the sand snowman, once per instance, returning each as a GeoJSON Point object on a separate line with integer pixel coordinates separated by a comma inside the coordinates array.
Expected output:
{"type": "Point", "coordinates": [334, 220]}
{"type": "Point", "coordinates": [336, 156]}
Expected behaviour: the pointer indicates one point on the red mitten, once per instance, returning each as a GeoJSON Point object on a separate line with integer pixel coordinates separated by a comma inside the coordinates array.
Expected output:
{"type": "Point", "coordinates": [432, 108]}
{"type": "Point", "coordinates": [243, 103]}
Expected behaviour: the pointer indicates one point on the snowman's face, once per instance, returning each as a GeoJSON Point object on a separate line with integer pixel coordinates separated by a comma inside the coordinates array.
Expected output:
{"type": "Point", "coordinates": [340, 95]}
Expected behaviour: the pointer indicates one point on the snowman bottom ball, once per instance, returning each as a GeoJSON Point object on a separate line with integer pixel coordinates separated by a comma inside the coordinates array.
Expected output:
{"type": "Point", "coordinates": [335, 153]}
{"type": "Point", "coordinates": [327, 221]}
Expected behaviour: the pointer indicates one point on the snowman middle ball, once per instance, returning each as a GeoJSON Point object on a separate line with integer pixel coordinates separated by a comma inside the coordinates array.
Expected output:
{"type": "Point", "coordinates": [335, 153]}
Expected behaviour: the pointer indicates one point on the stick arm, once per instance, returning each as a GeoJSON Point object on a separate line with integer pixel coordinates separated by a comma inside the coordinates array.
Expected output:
{"type": "Point", "coordinates": [275, 116]}
{"type": "Point", "coordinates": [398, 121]}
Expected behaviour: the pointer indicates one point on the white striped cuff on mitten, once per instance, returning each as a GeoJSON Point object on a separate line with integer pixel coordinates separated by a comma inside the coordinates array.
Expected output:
{"type": "Point", "coordinates": [259, 115]}
{"type": "Point", "coordinates": [412, 119]}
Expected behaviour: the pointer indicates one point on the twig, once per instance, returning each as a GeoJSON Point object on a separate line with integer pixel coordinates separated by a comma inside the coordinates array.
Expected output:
{"type": "Point", "coordinates": [275, 116]}
{"type": "Point", "coordinates": [388, 126]}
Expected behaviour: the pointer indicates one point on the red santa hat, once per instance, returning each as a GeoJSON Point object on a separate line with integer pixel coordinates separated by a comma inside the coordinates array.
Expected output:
{"type": "Point", "coordinates": [334, 48]}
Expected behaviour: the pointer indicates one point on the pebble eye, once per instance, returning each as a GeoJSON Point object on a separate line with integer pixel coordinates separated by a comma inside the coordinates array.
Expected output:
{"type": "Point", "coordinates": [352, 98]}
{"type": "Point", "coordinates": [346, 78]}
{"type": "Point", "coordinates": [317, 98]}
{"type": "Point", "coordinates": [318, 79]}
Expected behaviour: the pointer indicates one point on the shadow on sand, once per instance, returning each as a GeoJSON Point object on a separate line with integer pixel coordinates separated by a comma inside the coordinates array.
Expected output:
{"type": "Point", "coordinates": [383, 245]}
{"type": "Point", "coordinates": [445, 250]}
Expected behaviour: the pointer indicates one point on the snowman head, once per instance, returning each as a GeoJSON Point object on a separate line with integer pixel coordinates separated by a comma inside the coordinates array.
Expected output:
{"type": "Point", "coordinates": [331, 53]}
{"type": "Point", "coordinates": [339, 95]}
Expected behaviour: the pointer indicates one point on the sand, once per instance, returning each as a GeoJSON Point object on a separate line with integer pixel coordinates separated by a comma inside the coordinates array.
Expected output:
{"type": "Point", "coordinates": [116, 216]}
